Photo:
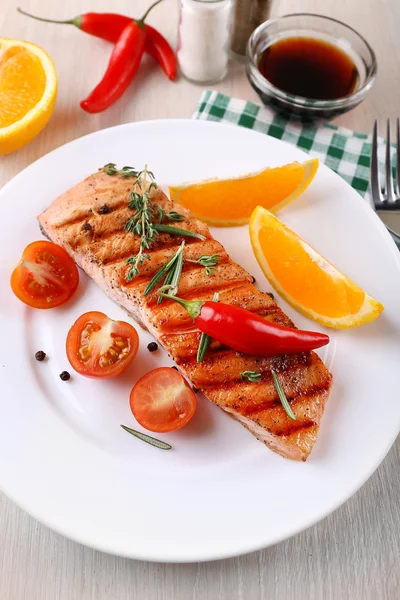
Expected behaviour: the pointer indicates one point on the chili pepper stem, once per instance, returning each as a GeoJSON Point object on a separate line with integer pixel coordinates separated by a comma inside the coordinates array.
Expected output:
{"type": "Point", "coordinates": [192, 306]}
{"type": "Point", "coordinates": [77, 21]}
{"type": "Point", "coordinates": [141, 21]}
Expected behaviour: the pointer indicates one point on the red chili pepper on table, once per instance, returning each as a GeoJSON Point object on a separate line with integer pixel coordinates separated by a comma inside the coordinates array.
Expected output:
{"type": "Point", "coordinates": [122, 67]}
{"type": "Point", "coordinates": [246, 332]}
{"type": "Point", "coordinates": [109, 26]}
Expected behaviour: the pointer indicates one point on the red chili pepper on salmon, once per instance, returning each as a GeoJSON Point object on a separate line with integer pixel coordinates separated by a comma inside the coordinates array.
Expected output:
{"type": "Point", "coordinates": [246, 332]}
{"type": "Point", "coordinates": [109, 26]}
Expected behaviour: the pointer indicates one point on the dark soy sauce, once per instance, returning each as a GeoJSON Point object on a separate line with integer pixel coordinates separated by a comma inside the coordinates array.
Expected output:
{"type": "Point", "coordinates": [309, 67]}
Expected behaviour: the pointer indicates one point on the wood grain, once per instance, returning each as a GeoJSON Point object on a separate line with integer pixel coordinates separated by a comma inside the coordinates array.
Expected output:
{"type": "Point", "coordinates": [354, 553]}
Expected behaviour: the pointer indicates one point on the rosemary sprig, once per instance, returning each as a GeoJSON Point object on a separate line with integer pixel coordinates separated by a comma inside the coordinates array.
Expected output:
{"type": "Point", "coordinates": [165, 269]}
{"type": "Point", "coordinates": [161, 228]}
{"type": "Point", "coordinates": [205, 339]}
{"type": "Point", "coordinates": [125, 172]}
{"type": "Point", "coordinates": [167, 282]}
{"type": "Point", "coordinates": [204, 343]}
{"type": "Point", "coordinates": [174, 271]}
{"type": "Point", "coordinates": [147, 438]}
{"type": "Point", "coordinates": [176, 275]}
{"type": "Point", "coordinates": [209, 261]}
{"type": "Point", "coordinates": [282, 397]}
{"type": "Point", "coordinates": [252, 376]}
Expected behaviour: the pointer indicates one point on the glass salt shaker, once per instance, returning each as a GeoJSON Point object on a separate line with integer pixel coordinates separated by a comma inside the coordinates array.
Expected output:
{"type": "Point", "coordinates": [203, 39]}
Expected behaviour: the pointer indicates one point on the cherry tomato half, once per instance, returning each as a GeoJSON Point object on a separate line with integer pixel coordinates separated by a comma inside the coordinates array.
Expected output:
{"type": "Point", "coordinates": [162, 400]}
{"type": "Point", "coordinates": [100, 347]}
{"type": "Point", "coordinates": [46, 276]}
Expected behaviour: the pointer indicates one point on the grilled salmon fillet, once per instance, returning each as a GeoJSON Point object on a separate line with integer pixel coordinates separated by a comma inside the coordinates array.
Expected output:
{"type": "Point", "coordinates": [88, 221]}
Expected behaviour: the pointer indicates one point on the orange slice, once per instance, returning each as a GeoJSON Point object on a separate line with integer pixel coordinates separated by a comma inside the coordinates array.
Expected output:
{"type": "Point", "coordinates": [28, 90]}
{"type": "Point", "coordinates": [230, 202]}
{"type": "Point", "coordinates": [305, 279]}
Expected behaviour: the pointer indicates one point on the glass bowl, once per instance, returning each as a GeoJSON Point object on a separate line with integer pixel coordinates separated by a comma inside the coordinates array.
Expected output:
{"type": "Point", "coordinates": [314, 26]}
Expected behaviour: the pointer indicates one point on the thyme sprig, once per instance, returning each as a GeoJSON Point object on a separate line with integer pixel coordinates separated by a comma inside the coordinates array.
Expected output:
{"type": "Point", "coordinates": [209, 261]}
{"type": "Point", "coordinates": [147, 217]}
{"type": "Point", "coordinates": [147, 222]}
{"type": "Point", "coordinates": [125, 172]}
{"type": "Point", "coordinates": [142, 221]}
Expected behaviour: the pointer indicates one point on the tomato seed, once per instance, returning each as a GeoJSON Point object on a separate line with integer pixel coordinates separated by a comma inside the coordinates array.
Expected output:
{"type": "Point", "coordinates": [120, 343]}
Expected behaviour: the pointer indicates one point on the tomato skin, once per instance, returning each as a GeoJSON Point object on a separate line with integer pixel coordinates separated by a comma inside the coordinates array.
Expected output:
{"type": "Point", "coordinates": [51, 265]}
{"type": "Point", "coordinates": [89, 341]}
{"type": "Point", "coordinates": [162, 400]}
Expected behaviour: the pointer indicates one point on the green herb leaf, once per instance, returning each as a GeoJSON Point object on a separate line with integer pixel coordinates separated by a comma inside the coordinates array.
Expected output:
{"type": "Point", "coordinates": [205, 339]}
{"type": "Point", "coordinates": [204, 343]}
{"type": "Point", "coordinates": [147, 438]}
{"type": "Point", "coordinates": [174, 216]}
{"type": "Point", "coordinates": [282, 397]}
{"type": "Point", "coordinates": [252, 376]}
{"type": "Point", "coordinates": [110, 169]}
{"type": "Point", "coordinates": [166, 284]}
{"type": "Point", "coordinates": [209, 261]}
{"type": "Point", "coordinates": [177, 231]}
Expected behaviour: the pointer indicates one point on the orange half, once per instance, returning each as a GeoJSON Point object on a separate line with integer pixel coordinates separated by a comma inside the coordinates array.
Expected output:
{"type": "Point", "coordinates": [230, 202]}
{"type": "Point", "coordinates": [28, 90]}
{"type": "Point", "coordinates": [305, 279]}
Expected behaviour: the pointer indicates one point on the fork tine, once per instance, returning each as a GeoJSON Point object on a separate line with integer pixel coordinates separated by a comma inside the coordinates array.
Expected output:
{"type": "Point", "coordinates": [398, 158]}
{"type": "Point", "coordinates": [388, 167]}
{"type": "Point", "coordinates": [375, 185]}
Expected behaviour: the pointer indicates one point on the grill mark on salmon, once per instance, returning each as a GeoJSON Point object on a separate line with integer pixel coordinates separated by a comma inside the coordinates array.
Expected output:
{"type": "Point", "coordinates": [102, 249]}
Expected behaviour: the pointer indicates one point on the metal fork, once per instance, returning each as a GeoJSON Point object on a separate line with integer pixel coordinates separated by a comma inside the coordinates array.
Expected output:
{"type": "Point", "coordinates": [386, 200]}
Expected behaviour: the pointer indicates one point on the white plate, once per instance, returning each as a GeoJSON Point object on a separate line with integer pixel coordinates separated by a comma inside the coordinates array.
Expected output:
{"type": "Point", "coordinates": [219, 492]}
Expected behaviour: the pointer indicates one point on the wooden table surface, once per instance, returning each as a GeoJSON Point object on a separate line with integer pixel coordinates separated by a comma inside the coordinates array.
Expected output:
{"type": "Point", "coordinates": [354, 553]}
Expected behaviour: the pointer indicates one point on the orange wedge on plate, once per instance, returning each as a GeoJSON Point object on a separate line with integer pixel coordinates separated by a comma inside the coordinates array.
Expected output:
{"type": "Point", "coordinates": [230, 202]}
{"type": "Point", "coordinates": [28, 90]}
{"type": "Point", "coordinates": [305, 279]}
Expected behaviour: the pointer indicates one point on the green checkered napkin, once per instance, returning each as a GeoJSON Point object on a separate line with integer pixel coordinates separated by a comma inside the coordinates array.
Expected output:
{"type": "Point", "coordinates": [346, 152]}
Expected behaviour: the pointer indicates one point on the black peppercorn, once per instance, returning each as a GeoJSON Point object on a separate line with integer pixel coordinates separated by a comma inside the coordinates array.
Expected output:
{"type": "Point", "coordinates": [40, 355]}
{"type": "Point", "coordinates": [253, 279]}
{"type": "Point", "coordinates": [64, 376]}
{"type": "Point", "coordinates": [152, 347]}
{"type": "Point", "coordinates": [104, 210]}
{"type": "Point", "coordinates": [270, 294]}
{"type": "Point", "coordinates": [196, 390]}
{"type": "Point", "coordinates": [87, 227]}
{"type": "Point", "coordinates": [176, 368]}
